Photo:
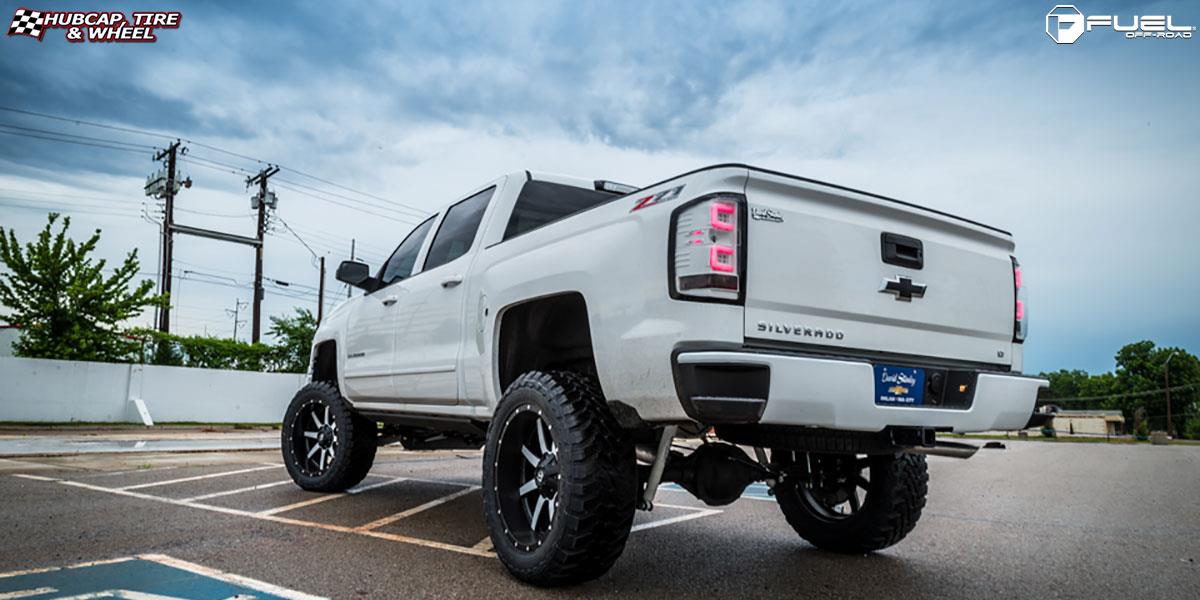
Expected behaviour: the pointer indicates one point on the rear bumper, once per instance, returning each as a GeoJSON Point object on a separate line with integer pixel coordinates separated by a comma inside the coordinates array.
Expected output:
{"type": "Point", "coordinates": [722, 386]}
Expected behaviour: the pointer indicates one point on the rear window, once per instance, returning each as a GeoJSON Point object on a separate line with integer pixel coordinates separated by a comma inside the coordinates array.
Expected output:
{"type": "Point", "coordinates": [543, 202]}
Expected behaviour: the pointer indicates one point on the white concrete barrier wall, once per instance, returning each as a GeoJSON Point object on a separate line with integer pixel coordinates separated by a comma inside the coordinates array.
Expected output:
{"type": "Point", "coordinates": [40, 390]}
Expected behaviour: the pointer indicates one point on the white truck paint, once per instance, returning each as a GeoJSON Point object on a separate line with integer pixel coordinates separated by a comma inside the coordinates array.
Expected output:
{"type": "Point", "coordinates": [430, 344]}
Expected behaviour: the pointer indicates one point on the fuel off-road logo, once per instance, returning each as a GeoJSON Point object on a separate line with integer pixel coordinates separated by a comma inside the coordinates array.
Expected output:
{"type": "Point", "coordinates": [112, 26]}
{"type": "Point", "coordinates": [1065, 24]}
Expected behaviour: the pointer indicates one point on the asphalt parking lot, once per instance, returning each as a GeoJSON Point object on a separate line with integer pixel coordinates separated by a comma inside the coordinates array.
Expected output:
{"type": "Point", "coordinates": [1050, 520]}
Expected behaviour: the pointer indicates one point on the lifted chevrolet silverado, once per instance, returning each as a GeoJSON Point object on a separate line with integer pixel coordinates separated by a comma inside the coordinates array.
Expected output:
{"type": "Point", "coordinates": [795, 332]}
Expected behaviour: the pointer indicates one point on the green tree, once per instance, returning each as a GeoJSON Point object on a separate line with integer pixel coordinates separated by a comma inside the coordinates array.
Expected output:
{"type": "Point", "coordinates": [1141, 367]}
{"type": "Point", "coordinates": [1077, 383]}
{"type": "Point", "coordinates": [294, 336]}
{"type": "Point", "coordinates": [60, 298]}
{"type": "Point", "coordinates": [1136, 383]}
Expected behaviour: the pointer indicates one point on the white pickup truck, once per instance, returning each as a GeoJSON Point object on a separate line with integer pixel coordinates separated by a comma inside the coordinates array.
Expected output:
{"type": "Point", "coordinates": [575, 328]}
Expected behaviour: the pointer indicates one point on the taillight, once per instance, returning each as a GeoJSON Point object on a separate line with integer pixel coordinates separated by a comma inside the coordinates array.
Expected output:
{"type": "Point", "coordinates": [707, 243]}
{"type": "Point", "coordinates": [1020, 305]}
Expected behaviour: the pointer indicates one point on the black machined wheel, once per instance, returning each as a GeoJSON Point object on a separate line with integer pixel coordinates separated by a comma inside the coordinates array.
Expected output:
{"type": "Point", "coordinates": [315, 437]}
{"type": "Point", "coordinates": [851, 503]}
{"type": "Point", "coordinates": [559, 480]}
{"type": "Point", "coordinates": [327, 447]}
{"type": "Point", "coordinates": [527, 462]}
{"type": "Point", "coordinates": [834, 486]}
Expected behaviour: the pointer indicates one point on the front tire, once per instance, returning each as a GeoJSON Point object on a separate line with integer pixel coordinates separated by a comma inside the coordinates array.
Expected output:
{"type": "Point", "coordinates": [850, 503]}
{"type": "Point", "coordinates": [327, 447]}
{"type": "Point", "coordinates": [559, 480]}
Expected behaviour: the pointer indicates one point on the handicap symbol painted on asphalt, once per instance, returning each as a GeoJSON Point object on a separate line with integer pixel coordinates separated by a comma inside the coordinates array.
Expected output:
{"type": "Point", "coordinates": [144, 577]}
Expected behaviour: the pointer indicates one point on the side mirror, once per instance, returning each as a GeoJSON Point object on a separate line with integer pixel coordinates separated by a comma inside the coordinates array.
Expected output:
{"type": "Point", "coordinates": [356, 274]}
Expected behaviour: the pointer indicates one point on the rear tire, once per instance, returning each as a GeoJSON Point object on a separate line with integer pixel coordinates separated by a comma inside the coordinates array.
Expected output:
{"type": "Point", "coordinates": [327, 447]}
{"type": "Point", "coordinates": [850, 503]}
{"type": "Point", "coordinates": [559, 480]}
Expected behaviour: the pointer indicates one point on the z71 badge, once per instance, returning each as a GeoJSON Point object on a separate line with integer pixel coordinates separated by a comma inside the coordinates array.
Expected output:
{"type": "Point", "coordinates": [663, 196]}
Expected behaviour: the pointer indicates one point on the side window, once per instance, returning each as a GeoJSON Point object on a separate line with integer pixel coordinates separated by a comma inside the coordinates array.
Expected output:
{"type": "Point", "coordinates": [401, 263]}
{"type": "Point", "coordinates": [542, 202]}
{"type": "Point", "coordinates": [458, 229]}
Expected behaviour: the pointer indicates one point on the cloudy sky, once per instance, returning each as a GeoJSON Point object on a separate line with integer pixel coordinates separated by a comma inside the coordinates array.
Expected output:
{"type": "Point", "coordinates": [1088, 152]}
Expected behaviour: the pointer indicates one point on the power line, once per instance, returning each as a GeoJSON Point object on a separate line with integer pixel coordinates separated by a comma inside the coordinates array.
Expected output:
{"type": "Point", "coordinates": [342, 204]}
{"type": "Point", "coordinates": [406, 215]}
{"type": "Point", "coordinates": [235, 170]}
{"type": "Point", "coordinates": [208, 268]}
{"type": "Point", "coordinates": [79, 203]}
{"type": "Point", "coordinates": [338, 243]}
{"type": "Point", "coordinates": [224, 151]}
{"type": "Point", "coordinates": [335, 250]}
{"type": "Point", "coordinates": [145, 147]}
{"type": "Point", "coordinates": [301, 240]}
{"type": "Point", "coordinates": [219, 163]}
{"type": "Point", "coordinates": [79, 143]}
{"type": "Point", "coordinates": [58, 195]}
{"type": "Point", "coordinates": [83, 122]}
{"type": "Point", "coordinates": [71, 210]}
{"type": "Point", "coordinates": [206, 166]}
{"type": "Point", "coordinates": [397, 205]}
{"type": "Point", "coordinates": [213, 214]}
{"type": "Point", "coordinates": [329, 249]}
{"type": "Point", "coordinates": [415, 212]}
{"type": "Point", "coordinates": [298, 294]}
{"type": "Point", "coordinates": [1116, 396]}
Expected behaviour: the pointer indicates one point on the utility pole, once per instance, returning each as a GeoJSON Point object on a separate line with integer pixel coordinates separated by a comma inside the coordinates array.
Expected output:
{"type": "Point", "coordinates": [321, 293]}
{"type": "Point", "coordinates": [262, 199]}
{"type": "Point", "coordinates": [1167, 382]}
{"type": "Point", "coordinates": [163, 185]}
{"type": "Point", "coordinates": [237, 307]}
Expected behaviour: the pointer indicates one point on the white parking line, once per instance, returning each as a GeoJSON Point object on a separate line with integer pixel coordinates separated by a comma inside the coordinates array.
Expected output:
{"type": "Point", "coordinates": [92, 563]}
{"type": "Point", "coordinates": [34, 477]}
{"type": "Point", "coordinates": [482, 549]}
{"type": "Point", "coordinates": [27, 593]}
{"type": "Point", "coordinates": [277, 519]}
{"type": "Point", "coordinates": [253, 488]}
{"type": "Point", "coordinates": [112, 473]}
{"type": "Point", "coordinates": [376, 524]}
{"type": "Point", "coordinates": [195, 478]}
{"type": "Point", "coordinates": [696, 514]}
{"type": "Point", "coordinates": [28, 464]}
{"type": "Point", "coordinates": [311, 501]}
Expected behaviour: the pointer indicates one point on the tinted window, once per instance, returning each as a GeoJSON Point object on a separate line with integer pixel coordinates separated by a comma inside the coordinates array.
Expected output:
{"type": "Point", "coordinates": [543, 202]}
{"type": "Point", "coordinates": [458, 229]}
{"type": "Point", "coordinates": [400, 265]}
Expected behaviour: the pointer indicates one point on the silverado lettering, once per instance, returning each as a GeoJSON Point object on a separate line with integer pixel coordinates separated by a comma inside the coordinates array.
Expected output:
{"type": "Point", "coordinates": [799, 331]}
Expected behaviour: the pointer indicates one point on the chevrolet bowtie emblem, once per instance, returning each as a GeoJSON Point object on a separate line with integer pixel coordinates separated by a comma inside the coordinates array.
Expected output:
{"type": "Point", "coordinates": [904, 288]}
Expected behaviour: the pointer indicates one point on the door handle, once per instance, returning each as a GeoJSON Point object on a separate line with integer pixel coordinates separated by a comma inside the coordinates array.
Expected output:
{"type": "Point", "coordinates": [390, 300]}
{"type": "Point", "coordinates": [902, 251]}
{"type": "Point", "coordinates": [452, 281]}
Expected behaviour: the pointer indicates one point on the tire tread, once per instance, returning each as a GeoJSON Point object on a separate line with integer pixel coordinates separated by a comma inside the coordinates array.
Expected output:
{"type": "Point", "coordinates": [358, 429]}
{"type": "Point", "coordinates": [598, 518]}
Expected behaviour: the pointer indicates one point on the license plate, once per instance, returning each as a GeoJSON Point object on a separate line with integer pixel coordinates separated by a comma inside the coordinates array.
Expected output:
{"type": "Point", "coordinates": [899, 386]}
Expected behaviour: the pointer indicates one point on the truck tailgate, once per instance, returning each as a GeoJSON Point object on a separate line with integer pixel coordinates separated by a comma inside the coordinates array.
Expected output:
{"type": "Point", "coordinates": [817, 276]}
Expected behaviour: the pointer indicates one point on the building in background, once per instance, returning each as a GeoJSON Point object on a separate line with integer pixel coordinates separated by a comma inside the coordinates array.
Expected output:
{"type": "Point", "coordinates": [1088, 422]}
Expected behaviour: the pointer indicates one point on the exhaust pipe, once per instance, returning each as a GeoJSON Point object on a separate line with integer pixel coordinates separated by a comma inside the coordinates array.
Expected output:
{"type": "Point", "coordinates": [948, 449]}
